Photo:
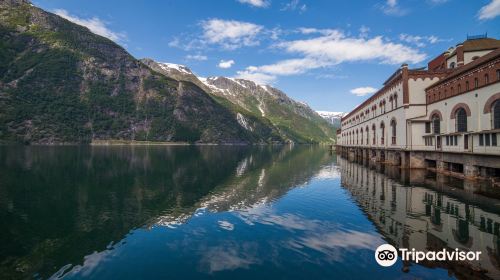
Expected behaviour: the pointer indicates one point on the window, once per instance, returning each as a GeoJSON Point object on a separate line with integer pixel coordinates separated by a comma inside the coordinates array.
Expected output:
{"type": "Point", "coordinates": [373, 137]}
{"type": "Point", "coordinates": [427, 127]}
{"type": "Point", "coordinates": [382, 132]}
{"type": "Point", "coordinates": [456, 140]}
{"type": "Point", "coordinates": [486, 79]}
{"type": "Point", "coordinates": [367, 136]}
{"type": "Point", "coordinates": [494, 139]}
{"type": "Point", "coordinates": [467, 85]}
{"type": "Point", "coordinates": [396, 101]}
{"type": "Point", "coordinates": [452, 65]}
{"type": "Point", "coordinates": [459, 88]}
{"type": "Point", "coordinates": [428, 141]}
{"type": "Point", "coordinates": [476, 82]}
{"type": "Point", "coordinates": [487, 140]}
{"type": "Point", "coordinates": [447, 140]}
{"type": "Point", "coordinates": [461, 120]}
{"type": "Point", "coordinates": [498, 75]}
{"type": "Point", "coordinates": [394, 129]}
{"type": "Point", "coordinates": [436, 122]}
{"type": "Point", "coordinates": [496, 114]}
{"type": "Point", "coordinates": [481, 140]}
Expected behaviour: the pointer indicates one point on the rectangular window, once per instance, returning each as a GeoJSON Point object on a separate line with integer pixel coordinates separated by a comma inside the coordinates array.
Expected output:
{"type": "Point", "coordinates": [494, 139]}
{"type": "Point", "coordinates": [481, 140]}
{"type": "Point", "coordinates": [456, 140]}
{"type": "Point", "coordinates": [486, 139]}
{"type": "Point", "coordinates": [428, 127]}
{"type": "Point", "coordinates": [447, 140]}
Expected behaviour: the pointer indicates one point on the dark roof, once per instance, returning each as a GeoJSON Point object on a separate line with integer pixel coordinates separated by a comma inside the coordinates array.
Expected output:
{"type": "Point", "coordinates": [479, 45]}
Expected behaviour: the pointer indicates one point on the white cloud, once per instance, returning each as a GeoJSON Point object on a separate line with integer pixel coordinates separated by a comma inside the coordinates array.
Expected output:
{"type": "Point", "coordinates": [362, 91]}
{"type": "Point", "coordinates": [438, 2]}
{"type": "Point", "coordinates": [225, 64]}
{"type": "Point", "coordinates": [309, 30]}
{"type": "Point", "coordinates": [333, 47]}
{"type": "Point", "coordinates": [294, 5]}
{"type": "Point", "coordinates": [490, 11]}
{"type": "Point", "coordinates": [94, 24]}
{"type": "Point", "coordinates": [259, 78]}
{"type": "Point", "coordinates": [230, 34]}
{"type": "Point", "coordinates": [363, 31]}
{"type": "Point", "coordinates": [255, 3]}
{"type": "Point", "coordinates": [419, 41]}
{"type": "Point", "coordinates": [197, 57]}
{"type": "Point", "coordinates": [391, 7]}
{"type": "Point", "coordinates": [337, 48]}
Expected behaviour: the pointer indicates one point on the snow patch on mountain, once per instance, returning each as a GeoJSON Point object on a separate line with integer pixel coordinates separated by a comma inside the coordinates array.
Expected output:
{"type": "Point", "coordinates": [243, 122]}
{"type": "Point", "coordinates": [332, 117]}
{"type": "Point", "coordinates": [172, 66]}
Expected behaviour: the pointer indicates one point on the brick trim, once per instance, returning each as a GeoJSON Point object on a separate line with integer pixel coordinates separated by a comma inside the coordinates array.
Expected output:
{"type": "Point", "coordinates": [489, 102]}
{"type": "Point", "coordinates": [458, 106]}
{"type": "Point", "coordinates": [436, 112]}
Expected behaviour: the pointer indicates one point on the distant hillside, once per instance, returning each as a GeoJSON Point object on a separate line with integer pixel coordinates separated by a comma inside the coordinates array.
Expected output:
{"type": "Point", "coordinates": [332, 117]}
{"type": "Point", "coordinates": [261, 105]}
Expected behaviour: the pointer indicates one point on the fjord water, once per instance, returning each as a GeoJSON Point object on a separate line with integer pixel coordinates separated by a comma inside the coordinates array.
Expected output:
{"type": "Point", "coordinates": [212, 212]}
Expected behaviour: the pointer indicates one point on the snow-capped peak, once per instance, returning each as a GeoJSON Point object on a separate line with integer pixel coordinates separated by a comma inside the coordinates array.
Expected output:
{"type": "Point", "coordinates": [330, 114]}
{"type": "Point", "coordinates": [169, 66]}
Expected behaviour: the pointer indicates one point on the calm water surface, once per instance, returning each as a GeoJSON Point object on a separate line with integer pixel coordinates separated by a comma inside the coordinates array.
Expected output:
{"type": "Point", "coordinates": [231, 213]}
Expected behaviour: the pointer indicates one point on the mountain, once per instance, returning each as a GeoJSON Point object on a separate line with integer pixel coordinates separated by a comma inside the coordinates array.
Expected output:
{"type": "Point", "coordinates": [263, 104]}
{"type": "Point", "coordinates": [61, 83]}
{"type": "Point", "coordinates": [332, 117]}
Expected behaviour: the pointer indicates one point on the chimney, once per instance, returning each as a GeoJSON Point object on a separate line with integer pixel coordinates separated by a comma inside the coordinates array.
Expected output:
{"type": "Point", "coordinates": [405, 77]}
{"type": "Point", "coordinates": [460, 54]}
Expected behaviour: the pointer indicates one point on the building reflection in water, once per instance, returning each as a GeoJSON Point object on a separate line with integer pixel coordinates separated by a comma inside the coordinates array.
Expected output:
{"type": "Point", "coordinates": [429, 212]}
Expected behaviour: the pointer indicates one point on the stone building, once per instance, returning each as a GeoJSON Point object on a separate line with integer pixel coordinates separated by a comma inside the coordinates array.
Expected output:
{"type": "Point", "coordinates": [445, 116]}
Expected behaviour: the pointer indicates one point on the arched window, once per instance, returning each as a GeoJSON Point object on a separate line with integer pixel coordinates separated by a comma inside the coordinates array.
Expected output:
{"type": "Point", "coordinates": [382, 132]}
{"type": "Point", "coordinates": [467, 85]}
{"type": "Point", "coordinates": [436, 124]}
{"type": "Point", "coordinates": [393, 129]}
{"type": "Point", "coordinates": [476, 82]}
{"type": "Point", "coordinates": [459, 88]}
{"type": "Point", "coordinates": [367, 136]}
{"type": "Point", "coordinates": [374, 135]}
{"type": "Point", "coordinates": [461, 120]}
{"type": "Point", "coordinates": [357, 138]}
{"type": "Point", "coordinates": [452, 65]}
{"type": "Point", "coordinates": [498, 75]}
{"type": "Point", "coordinates": [496, 114]}
{"type": "Point", "coordinates": [395, 101]}
{"type": "Point", "coordinates": [486, 78]}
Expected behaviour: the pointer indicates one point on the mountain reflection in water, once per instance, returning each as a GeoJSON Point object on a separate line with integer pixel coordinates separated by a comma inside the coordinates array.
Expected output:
{"type": "Point", "coordinates": [225, 212]}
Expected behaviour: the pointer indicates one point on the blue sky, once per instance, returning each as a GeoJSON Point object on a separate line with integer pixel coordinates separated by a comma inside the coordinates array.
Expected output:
{"type": "Point", "coordinates": [330, 54]}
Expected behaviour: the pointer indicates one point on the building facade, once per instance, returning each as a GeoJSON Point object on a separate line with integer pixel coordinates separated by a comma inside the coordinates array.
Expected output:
{"type": "Point", "coordinates": [445, 117]}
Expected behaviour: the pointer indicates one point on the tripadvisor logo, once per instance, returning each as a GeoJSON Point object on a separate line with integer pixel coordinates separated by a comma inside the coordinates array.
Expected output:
{"type": "Point", "coordinates": [387, 255]}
